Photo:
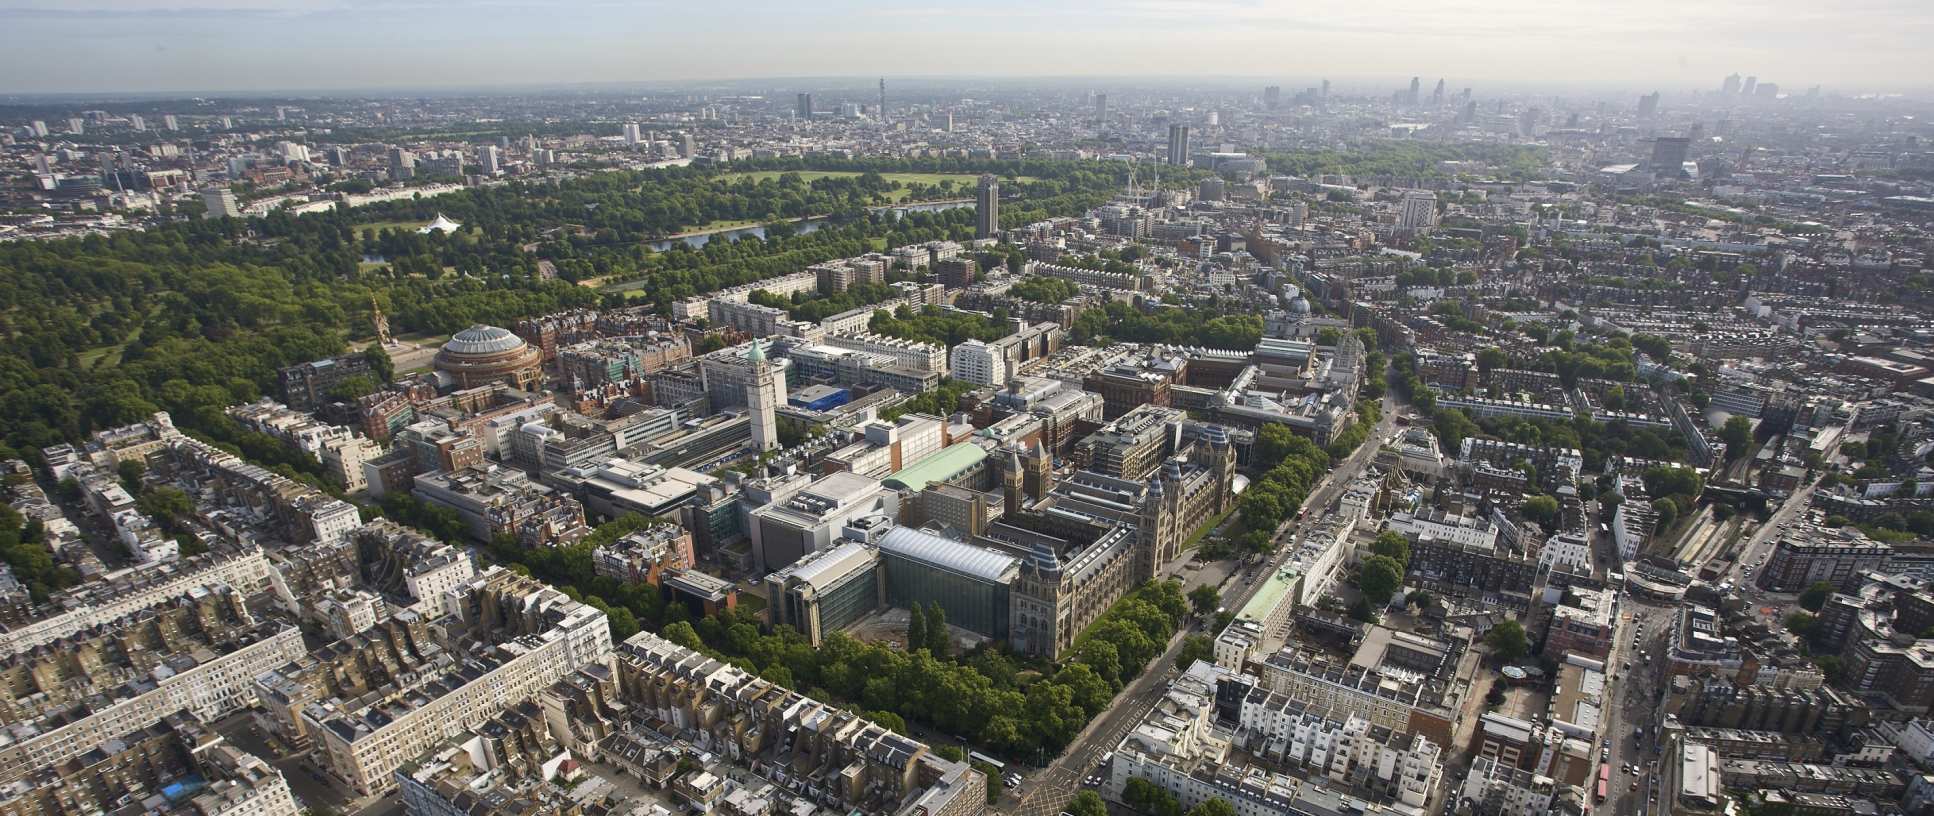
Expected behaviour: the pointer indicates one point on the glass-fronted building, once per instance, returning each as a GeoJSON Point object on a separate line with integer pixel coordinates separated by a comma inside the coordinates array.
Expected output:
{"type": "Point", "coordinates": [971, 583]}
{"type": "Point", "coordinates": [826, 591]}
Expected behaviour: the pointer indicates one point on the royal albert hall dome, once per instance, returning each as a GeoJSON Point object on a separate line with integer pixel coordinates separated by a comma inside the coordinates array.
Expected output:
{"type": "Point", "coordinates": [481, 355]}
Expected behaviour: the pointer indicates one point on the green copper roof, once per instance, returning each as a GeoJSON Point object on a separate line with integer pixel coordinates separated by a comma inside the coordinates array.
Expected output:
{"type": "Point", "coordinates": [938, 467]}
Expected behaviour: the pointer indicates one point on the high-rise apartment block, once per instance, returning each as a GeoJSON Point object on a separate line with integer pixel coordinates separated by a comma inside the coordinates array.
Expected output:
{"type": "Point", "coordinates": [219, 202]}
{"type": "Point", "coordinates": [1418, 212]}
{"type": "Point", "coordinates": [987, 207]}
{"type": "Point", "coordinates": [1178, 145]}
{"type": "Point", "coordinates": [1669, 156]}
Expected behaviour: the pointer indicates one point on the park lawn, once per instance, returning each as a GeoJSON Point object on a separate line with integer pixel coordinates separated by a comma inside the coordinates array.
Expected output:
{"type": "Point", "coordinates": [627, 286]}
{"type": "Point", "coordinates": [107, 356]}
{"type": "Point", "coordinates": [423, 338]}
{"type": "Point", "coordinates": [720, 225]}
{"type": "Point", "coordinates": [1195, 539]}
{"type": "Point", "coordinates": [372, 229]}
{"type": "Point", "coordinates": [110, 355]}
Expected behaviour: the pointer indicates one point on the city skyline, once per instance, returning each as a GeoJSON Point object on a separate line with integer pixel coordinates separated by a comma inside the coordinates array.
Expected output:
{"type": "Point", "coordinates": [309, 45]}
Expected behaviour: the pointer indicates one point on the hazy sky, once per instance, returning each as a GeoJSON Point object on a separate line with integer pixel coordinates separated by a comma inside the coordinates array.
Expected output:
{"type": "Point", "coordinates": [226, 45]}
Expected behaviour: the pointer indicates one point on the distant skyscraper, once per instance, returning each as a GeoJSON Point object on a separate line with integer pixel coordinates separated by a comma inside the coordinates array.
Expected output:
{"type": "Point", "coordinates": [1178, 145]}
{"type": "Point", "coordinates": [1649, 105]}
{"type": "Point", "coordinates": [487, 160]}
{"type": "Point", "coordinates": [882, 99]}
{"type": "Point", "coordinates": [168, 121]}
{"type": "Point", "coordinates": [1751, 84]}
{"type": "Point", "coordinates": [687, 146]}
{"type": "Point", "coordinates": [1326, 90]}
{"type": "Point", "coordinates": [135, 121]}
{"type": "Point", "coordinates": [633, 134]}
{"type": "Point", "coordinates": [402, 164]}
{"type": "Point", "coordinates": [804, 106]}
{"type": "Point", "coordinates": [1416, 89]}
{"type": "Point", "coordinates": [1767, 90]}
{"type": "Point", "coordinates": [1272, 96]}
{"type": "Point", "coordinates": [1669, 156]}
{"type": "Point", "coordinates": [76, 127]}
{"type": "Point", "coordinates": [1101, 106]}
{"type": "Point", "coordinates": [763, 393]}
{"type": "Point", "coordinates": [1469, 114]}
{"type": "Point", "coordinates": [43, 165]}
{"type": "Point", "coordinates": [1530, 120]}
{"type": "Point", "coordinates": [228, 123]}
{"type": "Point", "coordinates": [220, 203]}
{"type": "Point", "coordinates": [1437, 96]}
{"type": "Point", "coordinates": [987, 207]}
{"type": "Point", "coordinates": [1731, 86]}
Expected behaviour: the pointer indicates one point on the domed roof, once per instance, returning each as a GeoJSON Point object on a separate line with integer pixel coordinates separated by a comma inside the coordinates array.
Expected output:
{"type": "Point", "coordinates": [482, 339]}
{"type": "Point", "coordinates": [1299, 306]}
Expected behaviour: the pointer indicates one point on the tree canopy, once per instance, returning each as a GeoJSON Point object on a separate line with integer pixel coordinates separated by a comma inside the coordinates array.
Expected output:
{"type": "Point", "coordinates": [1507, 640]}
{"type": "Point", "coordinates": [1393, 545]}
{"type": "Point", "coordinates": [1380, 577]}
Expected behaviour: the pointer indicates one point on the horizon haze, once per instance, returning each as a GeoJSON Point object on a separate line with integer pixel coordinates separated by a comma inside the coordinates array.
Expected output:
{"type": "Point", "coordinates": [242, 46]}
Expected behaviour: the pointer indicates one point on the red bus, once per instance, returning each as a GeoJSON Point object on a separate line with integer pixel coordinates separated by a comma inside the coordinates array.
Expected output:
{"type": "Point", "coordinates": [1604, 779]}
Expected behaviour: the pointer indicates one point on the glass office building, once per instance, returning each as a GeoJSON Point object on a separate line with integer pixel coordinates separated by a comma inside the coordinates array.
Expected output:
{"type": "Point", "coordinates": [826, 591]}
{"type": "Point", "coordinates": [971, 583]}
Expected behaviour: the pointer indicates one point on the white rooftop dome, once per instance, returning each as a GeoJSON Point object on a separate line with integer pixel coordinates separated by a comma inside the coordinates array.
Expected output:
{"type": "Point", "coordinates": [482, 339]}
{"type": "Point", "coordinates": [442, 224]}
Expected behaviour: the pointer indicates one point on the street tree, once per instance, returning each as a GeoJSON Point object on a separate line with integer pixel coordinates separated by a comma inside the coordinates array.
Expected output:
{"type": "Point", "coordinates": [1204, 599]}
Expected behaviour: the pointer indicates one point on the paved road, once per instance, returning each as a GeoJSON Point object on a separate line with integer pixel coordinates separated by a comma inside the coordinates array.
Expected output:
{"type": "Point", "coordinates": [1761, 544]}
{"type": "Point", "coordinates": [1637, 692]}
{"type": "Point", "coordinates": [1634, 697]}
{"type": "Point", "coordinates": [1049, 791]}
